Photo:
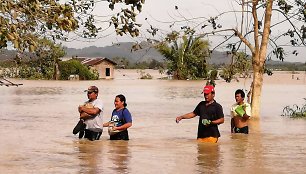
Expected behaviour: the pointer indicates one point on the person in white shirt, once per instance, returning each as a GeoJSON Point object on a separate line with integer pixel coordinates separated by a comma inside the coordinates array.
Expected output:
{"type": "Point", "coordinates": [240, 112]}
{"type": "Point", "coordinates": [92, 116]}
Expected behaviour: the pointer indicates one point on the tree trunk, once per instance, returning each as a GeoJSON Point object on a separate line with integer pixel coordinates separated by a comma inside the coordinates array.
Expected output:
{"type": "Point", "coordinates": [259, 56]}
{"type": "Point", "coordinates": [56, 72]}
{"type": "Point", "coordinates": [256, 91]}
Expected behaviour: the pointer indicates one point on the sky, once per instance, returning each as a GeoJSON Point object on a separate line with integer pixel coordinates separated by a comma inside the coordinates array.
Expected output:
{"type": "Point", "coordinates": [162, 13]}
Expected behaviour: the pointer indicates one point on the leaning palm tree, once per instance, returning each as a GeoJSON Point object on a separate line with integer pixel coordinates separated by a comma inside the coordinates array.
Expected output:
{"type": "Point", "coordinates": [186, 56]}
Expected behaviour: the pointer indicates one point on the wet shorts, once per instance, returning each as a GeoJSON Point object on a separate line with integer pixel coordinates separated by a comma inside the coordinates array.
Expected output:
{"type": "Point", "coordinates": [208, 139]}
{"type": "Point", "coordinates": [243, 130]}
{"type": "Point", "coordinates": [91, 135]}
{"type": "Point", "coordinates": [124, 135]}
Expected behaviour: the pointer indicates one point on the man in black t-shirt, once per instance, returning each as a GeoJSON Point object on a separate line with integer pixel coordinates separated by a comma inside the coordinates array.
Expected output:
{"type": "Point", "coordinates": [211, 115]}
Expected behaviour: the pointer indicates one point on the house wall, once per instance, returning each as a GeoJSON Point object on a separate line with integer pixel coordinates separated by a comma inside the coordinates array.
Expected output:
{"type": "Point", "coordinates": [101, 68]}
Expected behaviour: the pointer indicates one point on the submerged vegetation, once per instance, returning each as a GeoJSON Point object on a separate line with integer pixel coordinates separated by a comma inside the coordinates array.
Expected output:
{"type": "Point", "coordinates": [295, 111]}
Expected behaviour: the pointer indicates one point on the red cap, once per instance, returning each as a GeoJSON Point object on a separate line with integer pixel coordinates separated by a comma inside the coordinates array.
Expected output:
{"type": "Point", "coordinates": [208, 89]}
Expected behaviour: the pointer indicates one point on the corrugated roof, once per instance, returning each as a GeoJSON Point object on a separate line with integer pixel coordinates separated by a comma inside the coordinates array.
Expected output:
{"type": "Point", "coordinates": [94, 61]}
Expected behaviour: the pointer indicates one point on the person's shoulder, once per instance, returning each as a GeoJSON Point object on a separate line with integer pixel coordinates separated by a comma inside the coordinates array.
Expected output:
{"type": "Point", "coordinates": [202, 103]}
{"type": "Point", "coordinates": [216, 103]}
{"type": "Point", "coordinates": [234, 105]}
{"type": "Point", "coordinates": [98, 101]}
{"type": "Point", "coordinates": [125, 110]}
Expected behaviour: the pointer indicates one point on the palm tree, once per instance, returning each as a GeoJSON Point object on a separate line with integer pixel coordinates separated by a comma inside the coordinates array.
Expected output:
{"type": "Point", "coordinates": [186, 57]}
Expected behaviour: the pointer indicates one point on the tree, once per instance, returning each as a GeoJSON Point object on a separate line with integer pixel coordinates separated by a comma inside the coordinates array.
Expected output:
{"type": "Point", "coordinates": [186, 56]}
{"type": "Point", "coordinates": [257, 33]}
{"type": "Point", "coordinates": [240, 65]}
{"type": "Point", "coordinates": [262, 36]}
{"type": "Point", "coordinates": [75, 67]}
{"type": "Point", "coordinates": [24, 22]}
{"type": "Point", "coordinates": [49, 55]}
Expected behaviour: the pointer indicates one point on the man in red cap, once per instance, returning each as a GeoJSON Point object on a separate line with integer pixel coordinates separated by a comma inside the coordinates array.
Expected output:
{"type": "Point", "coordinates": [211, 115]}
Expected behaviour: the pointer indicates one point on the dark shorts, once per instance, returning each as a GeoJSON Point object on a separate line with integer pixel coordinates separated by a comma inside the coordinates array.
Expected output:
{"type": "Point", "coordinates": [91, 135]}
{"type": "Point", "coordinates": [124, 135]}
{"type": "Point", "coordinates": [243, 130]}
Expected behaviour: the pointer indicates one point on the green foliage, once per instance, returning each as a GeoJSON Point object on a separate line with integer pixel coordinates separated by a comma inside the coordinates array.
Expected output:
{"type": "Point", "coordinates": [23, 22]}
{"type": "Point", "coordinates": [295, 111]}
{"type": "Point", "coordinates": [124, 63]}
{"type": "Point", "coordinates": [185, 57]}
{"type": "Point", "coordinates": [125, 21]}
{"type": "Point", "coordinates": [154, 64]}
{"type": "Point", "coordinates": [241, 66]}
{"type": "Point", "coordinates": [287, 66]}
{"type": "Point", "coordinates": [33, 73]}
{"type": "Point", "coordinates": [212, 76]}
{"type": "Point", "coordinates": [74, 67]}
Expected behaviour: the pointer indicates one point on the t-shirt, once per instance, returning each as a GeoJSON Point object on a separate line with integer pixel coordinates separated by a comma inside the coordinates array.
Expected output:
{"type": "Point", "coordinates": [211, 112]}
{"type": "Point", "coordinates": [96, 123]}
{"type": "Point", "coordinates": [121, 117]}
{"type": "Point", "coordinates": [247, 109]}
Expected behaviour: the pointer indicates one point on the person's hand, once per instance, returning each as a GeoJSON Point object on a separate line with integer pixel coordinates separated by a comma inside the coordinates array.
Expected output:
{"type": "Point", "coordinates": [178, 119]}
{"type": "Point", "coordinates": [206, 122]}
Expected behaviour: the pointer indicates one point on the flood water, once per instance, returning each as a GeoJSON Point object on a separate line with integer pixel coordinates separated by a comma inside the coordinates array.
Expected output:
{"type": "Point", "coordinates": [37, 119]}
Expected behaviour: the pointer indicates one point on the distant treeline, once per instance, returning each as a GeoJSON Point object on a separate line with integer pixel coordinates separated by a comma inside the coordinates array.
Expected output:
{"type": "Point", "coordinates": [282, 66]}
{"type": "Point", "coordinates": [154, 64]}
{"type": "Point", "coordinates": [124, 63]}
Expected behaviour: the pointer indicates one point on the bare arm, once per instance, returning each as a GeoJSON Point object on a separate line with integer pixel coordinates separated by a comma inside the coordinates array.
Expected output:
{"type": "Point", "coordinates": [218, 121]}
{"type": "Point", "coordinates": [232, 125]}
{"type": "Point", "coordinates": [90, 111]}
{"type": "Point", "coordinates": [245, 117]}
{"type": "Point", "coordinates": [185, 116]}
{"type": "Point", "coordinates": [106, 124]}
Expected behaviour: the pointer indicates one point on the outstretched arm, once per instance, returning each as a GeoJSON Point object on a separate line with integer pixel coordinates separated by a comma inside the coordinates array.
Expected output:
{"type": "Point", "coordinates": [185, 116]}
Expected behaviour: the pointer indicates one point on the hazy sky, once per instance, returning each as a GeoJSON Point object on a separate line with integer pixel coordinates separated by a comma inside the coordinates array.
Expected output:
{"type": "Point", "coordinates": [162, 13]}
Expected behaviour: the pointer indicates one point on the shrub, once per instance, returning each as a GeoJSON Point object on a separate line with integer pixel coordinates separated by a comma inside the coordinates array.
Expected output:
{"type": "Point", "coordinates": [295, 111]}
{"type": "Point", "coordinates": [71, 67]}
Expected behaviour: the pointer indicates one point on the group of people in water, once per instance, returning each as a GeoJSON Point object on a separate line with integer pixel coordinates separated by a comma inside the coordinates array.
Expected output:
{"type": "Point", "coordinates": [210, 114]}
{"type": "Point", "coordinates": [91, 124]}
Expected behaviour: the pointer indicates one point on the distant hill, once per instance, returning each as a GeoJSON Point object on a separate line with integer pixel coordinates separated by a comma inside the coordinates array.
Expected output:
{"type": "Point", "coordinates": [124, 49]}
{"type": "Point", "coordinates": [117, 50]}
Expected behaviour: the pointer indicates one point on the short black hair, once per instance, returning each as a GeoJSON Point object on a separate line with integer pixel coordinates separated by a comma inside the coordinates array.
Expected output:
{"type": "Point", "coordinates": [240, 91]}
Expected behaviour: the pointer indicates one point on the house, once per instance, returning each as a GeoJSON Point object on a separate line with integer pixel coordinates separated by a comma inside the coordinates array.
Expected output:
{"type": "Point", "coordinates": [104, 66]}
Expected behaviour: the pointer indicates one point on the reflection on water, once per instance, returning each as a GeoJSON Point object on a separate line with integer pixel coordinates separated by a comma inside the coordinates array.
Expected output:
{"type": "Point", "coordinates": [119, 154]}
{"type": "Point", "coordinates": [39, 91]}
{"type": "Point", "coordinates": [89, 155]}
{"type": "Point", "coordinates": [208, 158]}
{"type": "Point", "coordinates": [37, 121]}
